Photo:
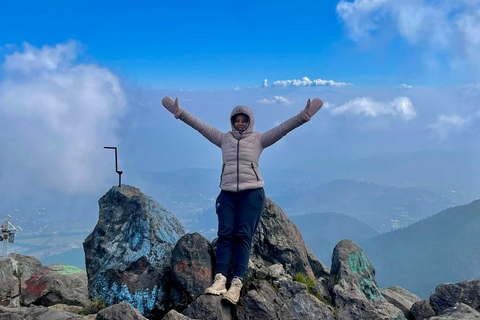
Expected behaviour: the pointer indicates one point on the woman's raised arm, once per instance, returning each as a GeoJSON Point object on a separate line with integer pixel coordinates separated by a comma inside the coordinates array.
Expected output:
{"type": "Point", "coordinates": [211, 133]}
{"type": "Point", "coordinates": [273, 135]}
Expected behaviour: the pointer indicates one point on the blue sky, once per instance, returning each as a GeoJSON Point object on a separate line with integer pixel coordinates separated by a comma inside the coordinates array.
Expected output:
{"type": "Point", "coordinates": [397, 78]}
{"type": "Point", "coordinates": [207, 46]}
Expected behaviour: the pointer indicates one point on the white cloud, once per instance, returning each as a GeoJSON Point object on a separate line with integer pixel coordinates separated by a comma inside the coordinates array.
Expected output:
{"type": "Point", "coordinates": [276, 99]}
{"type": "Point", "coordinates": [399, 107]}
{"type": "Point", "coordinates": [452, 26]}
{"type": "Point", "coordinates": [56, 115]}
{"type": "Point", "coordinates": [236, 89]}
{"type": "Point", "coordinates": [306, 82]}
{"type": "Point", "coordinates": [404, 86]}
{"type": "Point", "coordinates": [445, 125]}
{"type": "Point", "coordinates": [265, 83]}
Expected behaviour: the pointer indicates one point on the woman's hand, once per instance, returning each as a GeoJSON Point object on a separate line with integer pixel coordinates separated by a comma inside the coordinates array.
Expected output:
{"type": "Point", "coordinates": [313, 106]}
{"type": "Point", "coordinates": [171, 105]}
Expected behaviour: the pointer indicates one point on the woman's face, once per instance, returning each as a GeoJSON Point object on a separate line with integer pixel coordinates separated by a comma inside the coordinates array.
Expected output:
{"type": "Point", "coordinates": [241, 122]}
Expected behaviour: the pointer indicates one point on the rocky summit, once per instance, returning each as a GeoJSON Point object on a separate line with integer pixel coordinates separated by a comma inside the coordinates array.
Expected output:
{"type": "Point", "coordinates": [141, 265]}
{"type": "Point", "coordinates": [128, 253]}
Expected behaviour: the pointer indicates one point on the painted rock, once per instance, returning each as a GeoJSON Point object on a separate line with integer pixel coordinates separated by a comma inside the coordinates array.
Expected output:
{"type": "Point", "coordinates": [54, 284]}
{"type": "Point", "coordinates": [192, 269]}
{"type": "Point", "coordinates": [128, 253]}
{"type": "Point", "coordinates": [354, 287]}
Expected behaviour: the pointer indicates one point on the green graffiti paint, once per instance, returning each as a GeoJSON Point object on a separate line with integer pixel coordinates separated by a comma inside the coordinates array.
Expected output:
{"type": "Point", "coordinates": [63, 269]}
{"type": "Point", "coordinates": [366, 283]}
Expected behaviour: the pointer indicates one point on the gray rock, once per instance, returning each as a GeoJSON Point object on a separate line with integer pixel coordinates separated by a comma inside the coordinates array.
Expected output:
{"type": "Point", "coordinates": [354, 288]}
{"type": "Point", "coordinates": [401, 298]}
{"type": "Point", "coordinates": [447, 295]}
{"type": "Point", "coordinates": [66, 307]}
{"type": "Point", "coordinates": [191, 269]}
{"type": "Point", "coordinates": [36, 313]}
{"type": "Point", "coordinates": [278, 240]}
{"type": "Point", "coordinates": [422, 310]}
{"type": "Point", "coordinates": [459, 311]}
{"type": "Point", "coordinates": [128, 254]}
{"type": "Point", "coordinates": [209, 307]}
{"type": "Point", "coordinates": [321, 288]}
{"type": "Point", "coordinates": [174, 315]}
{"type": "Point", "coordinates": [290, 301]}
{"type": "Point", "coordinates": [120, 311]}
{"type": "Point", "coordinates": [14, 270]}
{"type": "Point", "coordinates": [277, 273]}
{"type": "Point", "coordinates": [56, 284]}
{"type": "Point", "coordinates": [306, 306]}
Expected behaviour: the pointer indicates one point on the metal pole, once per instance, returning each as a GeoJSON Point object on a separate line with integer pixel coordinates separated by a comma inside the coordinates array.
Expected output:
{"type": "Point", "coordinates": [116, 166]}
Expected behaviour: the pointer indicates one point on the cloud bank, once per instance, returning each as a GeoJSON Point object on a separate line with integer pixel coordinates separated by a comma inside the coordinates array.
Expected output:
{"type": "Point", "coordinates": [56, 115]}
{"type": "Point", "coordinates": [306, 82]}
{"type": "Point", "coordinates": [276, 99]}
{"type": "Point", "coordinates": [451, 26]}
{"type": "Point", "coordinates": [400, 107]}
{"type": "Point", "coordinates": [447, 124]}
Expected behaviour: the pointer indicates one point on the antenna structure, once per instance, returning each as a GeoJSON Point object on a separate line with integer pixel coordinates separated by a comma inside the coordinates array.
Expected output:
{"type": "Point", "coordinates": [116, 166]}
{"type": "Point", "coordinates": [8, 232]}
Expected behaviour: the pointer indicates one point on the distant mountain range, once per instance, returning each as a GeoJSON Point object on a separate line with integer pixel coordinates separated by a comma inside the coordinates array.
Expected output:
{"type": "Point", "coordinates": [441, 248]}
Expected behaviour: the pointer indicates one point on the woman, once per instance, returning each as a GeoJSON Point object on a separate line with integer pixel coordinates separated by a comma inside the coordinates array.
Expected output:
{"type": "Point", "coordinates": [242, 198]}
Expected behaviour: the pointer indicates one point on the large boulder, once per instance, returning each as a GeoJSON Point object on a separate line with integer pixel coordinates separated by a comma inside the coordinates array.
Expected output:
{"type": "Point", "coordinates": [128, 254]}
{"type": "Point", "coordinates": [354, 288]}
{"type": "Point", "coordinates": [192, 269]}
{"type": "Point", "coordinates": [56, 284]}
{"type": "Point", "coordinates": [15, 270]}
{"type": "Point", "coordinates": [278, 240]}
{"type": "Point", "coordinates": [422, 310]}
{"type": "Point", "coordinates": [449, 294]}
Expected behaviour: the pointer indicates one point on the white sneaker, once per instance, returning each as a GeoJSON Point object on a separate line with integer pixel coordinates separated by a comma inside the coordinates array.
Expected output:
{"type": "Point", "coordinates": [218, 286]}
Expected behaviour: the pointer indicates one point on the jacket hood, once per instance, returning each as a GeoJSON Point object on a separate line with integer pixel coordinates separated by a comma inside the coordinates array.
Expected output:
{"type": "Point", "coordinates": [245, 110]}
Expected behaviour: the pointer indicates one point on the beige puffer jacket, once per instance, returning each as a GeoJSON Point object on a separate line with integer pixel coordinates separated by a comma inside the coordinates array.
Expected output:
{"type": "Point", "coordinates": [241, 150]}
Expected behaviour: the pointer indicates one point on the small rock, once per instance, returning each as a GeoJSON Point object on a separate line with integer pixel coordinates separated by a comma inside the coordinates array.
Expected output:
{"type": "Point", "coordinates": [65, 307]}
{"type": "Point", "coordinates": [174, 315]}
{"type": "Point", "coordinates": [209, 307]}
{"type": "Point", "coordinates": [120, 311]}
{"type": "Point", "coordinates": [401, 298]}
{"type": "Point", "coordinates": [422, 310]}
{"type": "Point", "coordinates": [449, 294]}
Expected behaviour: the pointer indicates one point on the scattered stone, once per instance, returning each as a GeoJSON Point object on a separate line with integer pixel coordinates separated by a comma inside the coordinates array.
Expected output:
{"type": "Point", "coordinates": [128, 254]}
{"type": "Point", "coordinates": [277, 273]}
{"type": "Point", "coordinates": [65, 307]}
{"type": "Point", "coordinates": [422, 310]}
{"type": "Point", "coordinates": [449, 294]}
{"type": "Point", "coordinates": [36, 313]}
{"type": "Point", "coordinates": [191, 269]}
{"type": "Point", "coordinates": [120, 311]}
{"type": "Point", "coordinates": [56, 284]}
{"type": "Point", "coordinates": [209, 307]}
{"type": "Point", "coordinates": [174, 315]}
{"type": "Point", "coordinates": [401, 298]}
{"type": "Point", "coordinates": [459, 311]}
{"type": "Point", "coordinates": [354, 288]}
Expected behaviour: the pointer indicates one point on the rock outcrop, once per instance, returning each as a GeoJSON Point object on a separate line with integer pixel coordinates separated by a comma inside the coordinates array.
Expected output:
{"type": "Point", "coordinates": [354, 288]}
{"type": "Point", "coordinates": [128, 254]}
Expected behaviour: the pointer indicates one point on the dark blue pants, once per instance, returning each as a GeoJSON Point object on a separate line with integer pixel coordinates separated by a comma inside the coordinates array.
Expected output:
{"type": "Point", "coordinates": [238, 216]}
